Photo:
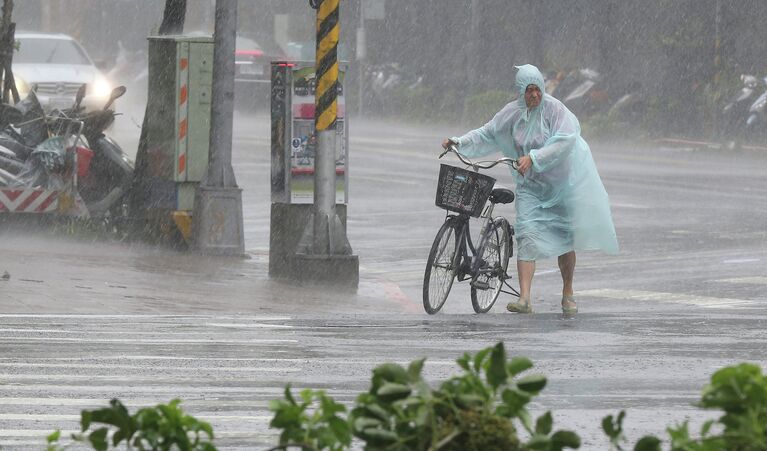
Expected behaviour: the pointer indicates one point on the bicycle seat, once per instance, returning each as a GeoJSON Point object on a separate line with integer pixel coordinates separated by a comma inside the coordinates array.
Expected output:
{"type": "Point", "coordinates": [502, 196]}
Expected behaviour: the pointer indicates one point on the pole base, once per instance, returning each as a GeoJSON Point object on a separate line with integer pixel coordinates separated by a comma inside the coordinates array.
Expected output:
{"type": "Point", "coordinates": [217, 221]}
{"type": "Point", "coordinates": [339, 271]}
{"type": "Point", "coordinates": [290, 264]}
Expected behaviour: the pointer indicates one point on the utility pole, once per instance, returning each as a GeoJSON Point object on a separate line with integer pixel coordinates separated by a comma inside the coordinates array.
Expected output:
{"type": "Point", "coordinates": [472, 53]}
{"type": "Point", "coordinates": [217, 219]}
{"type": "Point", "coordinates": [717, 63]}
{"type": "Point", "coordinates": [361, 55]}
{"type": "Point", "coordinates": [324, 250]}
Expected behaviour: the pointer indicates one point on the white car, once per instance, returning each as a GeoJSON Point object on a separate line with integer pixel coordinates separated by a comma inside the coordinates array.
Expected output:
{"type": "Point", "coordinates": [55, 66]}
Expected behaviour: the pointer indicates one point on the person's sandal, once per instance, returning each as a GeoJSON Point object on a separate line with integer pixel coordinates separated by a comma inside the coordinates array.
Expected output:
{"type": "Point", "coordinates": [521, 306]}
{"type": "Point", "coordinates": [569, 307]}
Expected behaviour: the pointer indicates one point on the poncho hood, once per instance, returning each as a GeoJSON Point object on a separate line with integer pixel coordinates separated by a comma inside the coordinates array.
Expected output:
{"type": "Point", "coordinates": [528, 74]}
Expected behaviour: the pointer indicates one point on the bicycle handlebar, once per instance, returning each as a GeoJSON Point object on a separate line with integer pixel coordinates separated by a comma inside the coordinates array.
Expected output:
{"type": "Point", "coordinates": [479, 164]}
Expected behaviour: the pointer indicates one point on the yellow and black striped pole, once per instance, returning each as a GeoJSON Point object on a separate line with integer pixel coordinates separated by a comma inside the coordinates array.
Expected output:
{"type": "Point", "coordinates": [326, 78]}
{"type": "Point", "coordinates": [329, 234]}
{"type": "Point", "coordinates": [324, 254]}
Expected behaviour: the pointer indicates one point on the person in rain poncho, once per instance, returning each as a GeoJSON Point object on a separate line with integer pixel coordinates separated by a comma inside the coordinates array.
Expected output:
{"type": "Point", "coordinates": [561, 203]}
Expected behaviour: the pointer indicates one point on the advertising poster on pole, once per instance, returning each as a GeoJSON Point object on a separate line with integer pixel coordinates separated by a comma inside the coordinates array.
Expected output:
{"type": "Point", "coordinates": [303, 143]}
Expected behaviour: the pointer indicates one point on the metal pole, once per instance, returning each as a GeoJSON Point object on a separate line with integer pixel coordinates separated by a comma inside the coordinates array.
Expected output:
{"type": "Point", "coordinates": [323, 254]}
{"type": "Point", "coordinates": [326, 105]}
{"type": "Point", "coordinates": [361, 55]}
{"type": "Point", "coordinates": [717, 63]}
{"type": "Point", "coordinates": [220, 171]}
{"type": "Point", "coordinates": [217, 217]}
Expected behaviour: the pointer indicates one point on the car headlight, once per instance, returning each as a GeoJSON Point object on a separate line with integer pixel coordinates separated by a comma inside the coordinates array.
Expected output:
{"type": "Point", "coordinates": [101, 88]}
{"type": "Point", "coordinates": [22, 87]}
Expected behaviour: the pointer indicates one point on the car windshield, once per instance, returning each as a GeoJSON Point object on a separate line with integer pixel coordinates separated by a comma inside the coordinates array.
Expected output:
{"type": "Point", "coordinates": [246, 44]}
{"type": "Point", "coordinates": [49, 51]}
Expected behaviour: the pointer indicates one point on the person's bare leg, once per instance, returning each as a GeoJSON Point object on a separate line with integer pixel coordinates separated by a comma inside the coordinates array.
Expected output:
{"type": "Point", "coordinates": [525, 270]}
{"type": "Point", "coordinates": [567, 268]}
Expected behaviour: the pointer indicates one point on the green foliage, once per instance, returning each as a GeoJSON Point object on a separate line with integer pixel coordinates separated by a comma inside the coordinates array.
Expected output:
{"type": "Point", "coordinates": [480, 409]}
{"type": "Point", "coordinates": [424, 103]}
{"type": "Point", "coordinates": [322, 429]}
{"type": "Point", "coordinates": [613, 428]}
{"type": "Point", "coordinates": [480, 108]}
{"type": "Point", "coordinates": [476, 410]}
{"type": "Point", "coordinates": [740, 391]}
{"type": "Point", "coordinates": [162, 427]}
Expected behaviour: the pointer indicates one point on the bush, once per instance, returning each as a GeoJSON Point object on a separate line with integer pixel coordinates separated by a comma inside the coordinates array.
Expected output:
{"type": "Point", "coordinates": [162, 427]}
{"type": "Point", "coordinates": [480, 108]}
{"type": "Point", "coordinates": [482, 409]}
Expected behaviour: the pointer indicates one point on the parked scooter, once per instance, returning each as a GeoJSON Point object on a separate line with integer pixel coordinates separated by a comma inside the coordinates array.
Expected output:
{"type": "Point", "coordinates": [630, 104]}
{"type": "Point", "coordinates": [736, 112]}
{"type": "Point", "coordinates": [384, 82]}
{"type": "Point", "coordinates": [104, 186]}
{"type": "Point", "coordinates": [757, 110]}
{"type": "Point", "coordinates": [744, 98]}
{"type": "Point", "coordinates": [104, 172]}
{"type": "Point", "coordinates": [583, 95]}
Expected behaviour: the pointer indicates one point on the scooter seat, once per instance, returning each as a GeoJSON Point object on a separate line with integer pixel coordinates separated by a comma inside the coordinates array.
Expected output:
{"type": "Point", "coordinates": [502, 196]}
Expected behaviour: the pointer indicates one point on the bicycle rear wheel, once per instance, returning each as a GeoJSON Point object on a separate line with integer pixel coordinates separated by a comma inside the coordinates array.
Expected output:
{"type": "Point", "coordinates": [440, 268]}
{"type": "Point", "coordinates": [495, 260]}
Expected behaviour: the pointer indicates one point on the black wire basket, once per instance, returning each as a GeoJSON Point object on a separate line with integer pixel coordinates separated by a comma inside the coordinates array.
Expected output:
{"type": "Point", "coordinates": [463, 191]}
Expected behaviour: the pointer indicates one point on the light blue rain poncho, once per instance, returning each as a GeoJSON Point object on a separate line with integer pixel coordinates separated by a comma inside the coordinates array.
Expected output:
{"type": "Point", "coordinates": [561, 202]}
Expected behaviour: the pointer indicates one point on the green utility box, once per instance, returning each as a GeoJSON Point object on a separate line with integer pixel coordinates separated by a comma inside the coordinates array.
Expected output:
{"type": "Point", "coordinates": [178, 108]}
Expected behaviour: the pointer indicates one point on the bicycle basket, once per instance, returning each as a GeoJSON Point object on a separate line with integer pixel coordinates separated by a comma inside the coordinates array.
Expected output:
{"type": "Point", "coordinates": [463, 191]}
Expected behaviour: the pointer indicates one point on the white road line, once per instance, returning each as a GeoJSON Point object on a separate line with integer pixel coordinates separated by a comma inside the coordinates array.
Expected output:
{"type": "Point", "coordinates": [162, 341]}
{"type": "Point", "coordinates": [37, 417]}
{"type": "Point", "coordinates": [42, 433]}
{"type": "Point", "coordinates": [140, 402]}
{"type": "Point", "coordinates": [742, 260]}
{"type": "Point", "coordinates": [676, 298]}
{"type": "Point", "coordinates": [66, 433]}
{"type": "Point", "coordinates": [145, 317]}
{"type": "Point", "coordinates": [166, 389]}
{"type": "Point", "coordinates": [630, 206]}
{"type": "Point", "coordinates": [386, 180]}
{"type": "Point", "coordinates": [758, 280]}
{"type": "Point", "coordinates": [107, 366]}
{"type": "Point", "coordinates": [111, 331]}
{"type": "Point", "coordinates": [77, 401]}
{"type": "Point", "coordinates": [63, 378]}
{"type": "Point", "coordinates": [248, 326]}
{"type": "Point", "coordinates": [329, 361]}
{"type": "Point", "coordinates": [55, 417]}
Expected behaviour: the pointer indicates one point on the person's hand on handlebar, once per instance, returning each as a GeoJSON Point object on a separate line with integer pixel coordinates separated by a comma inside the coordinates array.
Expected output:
{"type": "Point", "coordinates": [447, 142]}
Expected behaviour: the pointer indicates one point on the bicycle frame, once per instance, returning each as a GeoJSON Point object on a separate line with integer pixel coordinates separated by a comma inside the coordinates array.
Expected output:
{"type": "Point", "coordinates": [469, 257]}
{"type": "Point", "coordinates": [469, 265]}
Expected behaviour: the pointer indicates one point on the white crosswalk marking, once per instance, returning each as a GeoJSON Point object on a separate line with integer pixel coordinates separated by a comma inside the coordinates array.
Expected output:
{"type": "Point", "coordinates": [224, 368]}
{"type": "Point", "coordinates": [676, 298]}
{"type": "Point", "coordinates": [746, 280]}
{"type": "Point", "coordinates": [57, 365]}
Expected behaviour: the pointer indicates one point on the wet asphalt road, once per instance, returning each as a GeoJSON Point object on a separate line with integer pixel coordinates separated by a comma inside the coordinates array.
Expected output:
{"type": "Point", "coordinates": [84, 322]}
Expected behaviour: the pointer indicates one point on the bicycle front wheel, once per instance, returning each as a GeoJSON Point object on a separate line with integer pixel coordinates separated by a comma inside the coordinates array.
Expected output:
{"type": "Point", "coordinates": [440, 268]}
{"type": "Point", "coordinates": [488, 281]}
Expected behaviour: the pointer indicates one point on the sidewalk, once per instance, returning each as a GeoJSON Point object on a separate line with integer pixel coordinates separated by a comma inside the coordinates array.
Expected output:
{"type": "Point", "coordinates": [58, 274]}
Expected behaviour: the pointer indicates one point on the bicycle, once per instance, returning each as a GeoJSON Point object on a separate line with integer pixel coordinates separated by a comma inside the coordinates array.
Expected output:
{"type": "Point", "coordinates": [453, 255]}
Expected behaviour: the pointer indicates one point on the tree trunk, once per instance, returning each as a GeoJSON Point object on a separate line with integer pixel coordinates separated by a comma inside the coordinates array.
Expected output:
{"type": "Point", "coordinates": [7, 31]}
{"type": "Point", "coordinates": [173, 17]}
{"type": "Point", "coordinates": [172, 23]}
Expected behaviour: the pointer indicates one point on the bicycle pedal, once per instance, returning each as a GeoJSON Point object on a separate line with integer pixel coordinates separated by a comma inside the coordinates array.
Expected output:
{"type": "Point", "coordinates": [480, 285]}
